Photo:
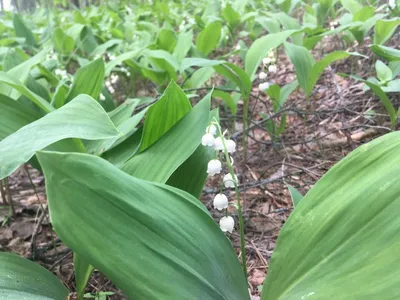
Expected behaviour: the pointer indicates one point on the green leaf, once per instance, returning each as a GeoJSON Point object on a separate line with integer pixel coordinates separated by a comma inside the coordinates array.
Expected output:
{"type": "Point", "coordinates": [166, 40]}
{"type": "Point", "coordinates": [23, 279]}
{"type": "Point", "coordinates": [261, 47]}
{"type": "Point", "coordinates": [88, 80]}
{"type": "Point", "coordinates": [148, 226]}
{"type": "Point", "coordinates": [83, 270]}
{"type": "Point", "coordinates": [231, 16]}
{"type": "Point", "coordinates": [383, 72]}
{"type": "Point", "coordinates": [199, 62]}
{"type": "Point", "coordinates": [16, 84]}
{"type": "Point", "coordinates": [236, 75]}
{"type": "Point", "coordinates": [303, 63]}
{"type": "Point", "coordinates": [227, 98]}
{"type": "Point", "coordinates": [120, 59]}
{"type": "Point", "coordinates": [320, 66]}
{"type": "Point", "coordinates": [183, 45]}
{"type": "Point", "coordinates": [341, 241]}
{"type": "Point", "coordinates": [351, 5]}
{"type": "Point", "coordinates": [381, 95]}
{"type": "Point", "coordinates": [63, 43]}
{"type": "Point", "coordinates": [200, 77]}
{"type": "Point", "coordinates": [295, 195]}
{"type": "Point", "coordinates": [176, 145]}
{"type": "Point", "coordinates": [21, 30]}
{"type": "Point", "coordinates": [388, 53]}
{"type": "Point", "coordinates": [70, 121]}
{"type": "Point", "coordinates": [384, 29]}
{"type": "Point", "coordinates": [162, 115]}
{"type": "Point", "coordinates": [192, 174]}
{"type": "Point", "coordinates": [14, 115]}
{"type": "Point", "coordinates": [101, 49]}
{"type": "Point", "coordinates": [208, 38]}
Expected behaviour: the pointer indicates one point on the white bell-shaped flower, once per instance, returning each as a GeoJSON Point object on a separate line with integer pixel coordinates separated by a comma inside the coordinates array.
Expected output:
{"type": "Point", "coordinates": [230, 146]}
{"type": "Point", "coordinates": [218, 144]}
{"type": "Point", "coordinates": [220, 202]}
{"type": "Point", "coordinates": [208, 140]}
{"type": "Point", "coordinates": [228, 181]}
{"type": "Point", "coordinates": [272, 69]}
{"type": "Point", "coordinates": [262, 75]}
{"type": "Point", "coordinates": [214, 167]}
{"type": "Point", "coordinates": [266, 61]}
{"type": "Point", "coordinates": [263, 86]}
{"type": "Point", "coordinates": [227, 224]}
{"type": "Point", "coordinates": [211, 129]}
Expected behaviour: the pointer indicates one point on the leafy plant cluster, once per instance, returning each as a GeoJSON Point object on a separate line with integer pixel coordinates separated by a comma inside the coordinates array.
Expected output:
{"type": "Point", "coordinates": [123, 181]}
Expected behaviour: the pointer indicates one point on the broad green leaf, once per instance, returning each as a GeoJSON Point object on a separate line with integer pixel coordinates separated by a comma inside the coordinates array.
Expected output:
{"type": "Point", "coordinates": [177, 145]}
{"type": "Point", "coordinates": [88, 41]}
{"type": "Point", "coordinates": [69, 121]}
{"type": "Point", "coordinates": [228, 100]}
{"type": "Point", "coordinates": [231, 16]}
{"type": "Point", "coordinates": [101, 49]}
{"type": "Point", "coordinates": [320, 66]}
{"type": "Point", "coordinates": [286, 90]}
{"type": "Point", "coordinates": [384, 29]}
{"type": "Point", "coordinates": [383, 72]}
{"type": "Point", "coordinates": [388, 53]}
{"type": "Point", "coordinates": [139, 225]}
{"type": "Point", "coordinates": [14, 115]}
{"type": "Point", "coordinates": [62, 42]}
{"type": "Point", "coordinates": [120, 59]}
{"type": "Point", "coordinates": [166, 40]}
{"type": "Point", "coordinates": [342, 241]}
{"type": "Point", "coordinates": [236, 75]}
{"type": "Point", "coordinates": [352, 6]}
{"type": "Point", "coordinates": [23, 279]}
{"type": "Point", "coordinates": [16, 84]}
{"type": "Point", "coordinates": [199, 62]}
{"type": "Point", "coordinates": [162, 115]}
{"type": "Point", "coordinates": [192, 174]}
{"type": "Point", "coordinates": [88, 80]}
{"type": "Point", "coordinates": [295, 195]}
{"type": "Point", "coordinates": [83, 271]}
{"type": "Point", "coordinates": [21, 30]}
{"type": "Point", "coordinates": [183, 45]}
{"type": "Point", "coordinates": [208, 38]}
{"type": "Point", "coordinates": [303, 63]}
{"type": "Point", "coordinates": [123, 112]}
{"type": "Point", "coordinates": [382, 97]}
{"type": "Point", "coordinates": [261, 47]}
{"type": "Point", "coordinates": [200, 77]}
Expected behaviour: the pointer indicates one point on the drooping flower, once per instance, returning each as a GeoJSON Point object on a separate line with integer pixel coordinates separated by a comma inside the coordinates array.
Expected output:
{"type": "Point", "coordinates": [230, 146]}
{"type": "Point", "coordinates": [263, 75]}
{"type": "Point", "coordinates": [266, 61]}
{"type": "Point", "coordinates": [208, 140]}
{"type": "Point", "coordinates": [229, 182]}
{"type": "Point", "coordinates": [272, 69]}
{"type": "Point", "coordinates": [227, 224]}
{"type": "Point", "coordinates": [211, 129]}
{"type": "Point", "coordinates": [263, 86]}
{"type": "Point", "coordinates": [392, 4]}
{"type": "Point", "coordinates": [218, 145]}
{"type": "Point", "coordinates": [220, 202]}
{"type": "Point", "coordinates": [214, 167]}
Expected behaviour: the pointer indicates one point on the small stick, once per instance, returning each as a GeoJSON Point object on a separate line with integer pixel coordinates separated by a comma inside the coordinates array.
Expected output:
{"type": "Point", "coordinates": [9, 197]}
{"type": "Point", "coordinates": [3, 195]}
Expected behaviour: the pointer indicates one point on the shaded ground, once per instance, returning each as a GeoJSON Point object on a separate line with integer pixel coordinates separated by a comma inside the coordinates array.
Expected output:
{"type": "Point", "coordinates": [339, 117]}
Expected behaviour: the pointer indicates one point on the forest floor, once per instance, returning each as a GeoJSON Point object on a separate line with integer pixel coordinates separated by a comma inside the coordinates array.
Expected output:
{"type": "Point", "coordinates": [339, 117]}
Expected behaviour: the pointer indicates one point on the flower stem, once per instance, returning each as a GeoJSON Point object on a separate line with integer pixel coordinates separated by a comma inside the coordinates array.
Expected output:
{"type": "Point", "coordinates": [241, 223]}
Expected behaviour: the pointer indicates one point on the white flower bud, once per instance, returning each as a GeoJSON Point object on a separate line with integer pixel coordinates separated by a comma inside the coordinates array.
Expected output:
{"type": "Point", "coordinates": [212, 129]}
{"type": "Point", "coordinates": [218, 144]}
{"type": "Point", "coordinates": [271, 54]}
{"type": "Point", "coordinates": [220, 202]}
{"type": "Point", "coordinates": [208, 140]}
{"type": "Point", "coordinates": [392, 4]}
{"type": "Point", "coordinates": [237, 47]}
{"type": "Point", "coordinates": [266, 61]}
{"type": "Point", "coordinates": [263, 86]}
{"type": "Point", "coordinates": [214, 167]}
{"type": "Point", "coordinates": [230, 146]}
{"type": "Point", "coordinates": [263, 75]}
{"type": "Point", "coordinates": [228, 181]}
{"type": "Point", "coordinates": [227, 224]}
{"type": "Point", "coordinates": [272, 69]}
{"type": "Point", "coordinates": [102, 97]}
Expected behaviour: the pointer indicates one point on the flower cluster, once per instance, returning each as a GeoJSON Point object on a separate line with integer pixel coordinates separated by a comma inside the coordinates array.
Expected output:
{"type": "Point", "coordinates": [215, 139]}
{"type": "Point", "coordinates": [269, 64]}
{"type": "Point", "coordinates": [392, 4]}
{"type": "Point", "coordinates": [333, 25]}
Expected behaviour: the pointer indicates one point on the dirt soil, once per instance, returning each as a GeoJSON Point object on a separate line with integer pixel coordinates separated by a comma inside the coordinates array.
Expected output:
{"type": "Point", "coordinates": [339, 117]}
